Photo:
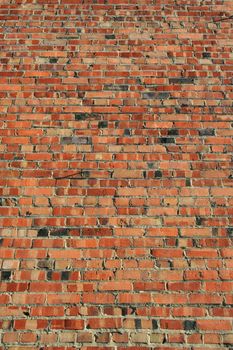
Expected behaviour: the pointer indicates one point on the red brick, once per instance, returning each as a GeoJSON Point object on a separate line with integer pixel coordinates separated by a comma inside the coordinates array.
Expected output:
{"type": "Point", "coordinates": [67, 324]}
{"type": "Point", "coordinates": [116, 174]}
{"type": "Point", "coordinates": [214, 325]}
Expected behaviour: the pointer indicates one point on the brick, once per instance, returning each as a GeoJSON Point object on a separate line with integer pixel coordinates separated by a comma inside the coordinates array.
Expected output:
{"type": "Point", "coordinates": [207, 132]}
{"type": "Point", "coordinates": [113, 87]}
{"type": "Point", "coordinates": [76, 140]}
{"type": "Point", "coordinates": [102, 337]}
{"type": "Point", "coordinates": [67, 324]}
{"type": "Point", "coordinates": [120, 337]}
{"type": "Point", "coordinates": [139, 338]}
{"type": "Point", "coordinates": [84, 337]}
{"type": "Point", "coordinates": [228, 339]}
{"type": "Point", "coordinates": [119, 285]}
{"type": "Point", "coordinates": [156, 338]}
{"type": "Point", "coordinates": [189, 325]}
{"type": "Point", "coordinates": [5, 275]}
{"type": "Point", "coordinates": [181, 80]}
{"type": "Point", "coordinates": [104, 323]}
{"type": "Point", "coordinates": [214, 325]}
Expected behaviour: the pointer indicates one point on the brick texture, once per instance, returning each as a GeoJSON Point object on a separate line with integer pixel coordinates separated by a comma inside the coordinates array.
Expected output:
{"type": "Point", "coordinates": [116, 174]}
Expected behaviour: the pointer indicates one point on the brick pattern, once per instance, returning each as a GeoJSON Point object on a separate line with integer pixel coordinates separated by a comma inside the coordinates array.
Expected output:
{"type": "Point", "coordinates": [116, 174]}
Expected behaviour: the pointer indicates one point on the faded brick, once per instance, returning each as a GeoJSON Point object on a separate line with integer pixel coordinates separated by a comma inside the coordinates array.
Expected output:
{"type": "Point", "coordinates": [156, 338]}
{"type": "Point", "coordinates": [140, 338]}
{"type": "Point", "coordinates": [76, 140]}
{"type": "Point", "coordinates": [109, 87]}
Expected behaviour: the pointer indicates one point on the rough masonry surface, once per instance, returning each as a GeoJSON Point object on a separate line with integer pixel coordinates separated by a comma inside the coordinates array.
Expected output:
{"type": "Point", "coordinates": [116, 174]}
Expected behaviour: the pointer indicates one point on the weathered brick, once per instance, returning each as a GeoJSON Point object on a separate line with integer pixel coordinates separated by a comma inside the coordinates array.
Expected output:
{"type": "Point", "coordinates": [181, 80]}
{"type": "Point", "coordinates": [140, 338]}
{"type": "Point", "coordinates": [76, 140]}
{"type": "Point", "coordinates": [207, 132]}
{"type": "Point", "coordinates": [114, 87]}
{"type": "Point", "coordinates": [116, 175]}
{"type": "Point", "coordinates": [156, 338]}
{"type": "Point", "coordinates": [45, 264]}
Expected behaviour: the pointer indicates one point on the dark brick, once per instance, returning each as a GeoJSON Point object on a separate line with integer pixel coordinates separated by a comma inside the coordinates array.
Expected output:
{"type": "Point", "coordinates": [5, 275]}
{"type": "Point", "coordinates": [187, 182]}
{"type": "Point", "coordinates": [181, 80]}
{"type": "Point", "coordinates": [189, 325]}
{"type": "Point", "coordinates": [149, 95]}
{"type": "Point", "coordinates": [163, 95]}
{"type": "Point", "coordinates": [85, 174]}
{"type": "Point", "coordinates": [172, 132]}
{"type": "Point", "coordinates": [138, 323]}
{"type": "Point", "coordinates": [45, 264]}
{"type": "Point", "coordinates": [167, 140]}
{"type": "Point", "coordinates": [154, 324]}
{"type": "Point", "coordinates": [81, 116]}
{"type": "Point", "coordinates": [118, 18]}
{"type": "Point", "coordinates": [158, 174]}
{"type": "Point", "coordinates": [60, 232]}
{"type": "Point", "coordinates": [199, 221]}
{"type": "Point", "coordinates": [127, 132]}
{"type": "Point", "coordinates": [109, 36]}
{"type": "Point", "coordinates": [65, 275]}
{"type": "Point", "coordinates": [151, 165]}
{"type": "Point", "coordinates": [124, 311]}
{"type": "Point", "coordinates": [43, 232]}
{"type": "Point", "coordinates": [230, 231]}
{"type": "Point", "coordinates": [87, 116]}
{"type": "Point", "coordinates": [1, 241]}
{"type": "Point", "coordinates": [206, 55]}
{"type": "Point", "coordinates": [207, 132]}
{"type": "Point", "coordinates": [103, 124]}
{"type": "Point", "coordinates": [49, 275]}
{"type": "Point", "coordinates": [53, 60]}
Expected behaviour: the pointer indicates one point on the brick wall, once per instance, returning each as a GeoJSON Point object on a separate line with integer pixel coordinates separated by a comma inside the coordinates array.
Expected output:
{"type": "Point", "coordinates": [116, 182]}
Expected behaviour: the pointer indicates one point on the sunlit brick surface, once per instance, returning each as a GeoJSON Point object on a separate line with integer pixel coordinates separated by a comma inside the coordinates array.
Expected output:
{"type": "Point", "coordinates": [116, 174]}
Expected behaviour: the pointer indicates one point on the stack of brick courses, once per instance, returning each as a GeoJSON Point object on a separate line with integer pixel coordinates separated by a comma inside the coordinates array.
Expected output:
{"type": "Point", "coordinates": [116, 174]}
